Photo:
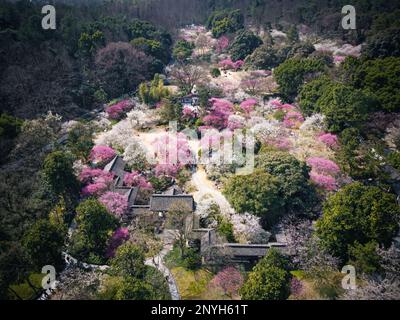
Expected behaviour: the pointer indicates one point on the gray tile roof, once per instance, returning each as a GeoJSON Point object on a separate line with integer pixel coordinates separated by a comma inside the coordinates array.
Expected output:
{"type": "Point", "coordinates": [116, 166]}
{"type": "Point", "coordinates": [163, 203]}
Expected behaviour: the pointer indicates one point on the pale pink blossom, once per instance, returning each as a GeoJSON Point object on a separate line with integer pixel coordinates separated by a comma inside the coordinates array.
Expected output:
{"type": "Point", "coordinates": [116, 204]}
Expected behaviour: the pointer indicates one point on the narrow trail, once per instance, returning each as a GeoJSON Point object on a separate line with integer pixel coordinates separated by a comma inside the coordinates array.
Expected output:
{"type": "Point", "coordinates": [158, 263]}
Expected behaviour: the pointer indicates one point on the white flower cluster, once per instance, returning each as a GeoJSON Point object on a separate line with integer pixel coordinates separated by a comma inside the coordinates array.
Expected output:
{"type": "Point", "coordinates": [314, 123]}
{"type": "Point", "coordinates": [247, 228]}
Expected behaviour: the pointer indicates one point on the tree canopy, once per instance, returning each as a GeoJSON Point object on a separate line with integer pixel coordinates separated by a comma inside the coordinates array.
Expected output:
{"type": "Point", "coordinates": [358, 213]}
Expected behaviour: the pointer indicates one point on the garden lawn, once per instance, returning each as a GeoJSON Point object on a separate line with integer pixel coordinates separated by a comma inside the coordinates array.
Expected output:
{"type": "Point", "coordinates": [25, 291]}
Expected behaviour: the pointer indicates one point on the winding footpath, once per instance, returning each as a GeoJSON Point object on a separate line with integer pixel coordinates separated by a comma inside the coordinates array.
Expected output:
{"type": "Point", "coordinates": [158, 263]}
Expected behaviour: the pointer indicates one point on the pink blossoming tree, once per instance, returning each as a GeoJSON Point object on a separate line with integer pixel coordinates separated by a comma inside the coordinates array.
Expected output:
{"type": "Point", "coordinates": [118, 238]}
{"type": "Point", "coordinates": [248, 105]}
{"type": "Point", "coordinates": [329, 139]}
{"type": "Point", "coordinates": [100, 155]}
{"type": "Point", "coordinates": [135, 179]}
{"type": "Point", "coordinates": [116, 204]}
{"type": "Point", "coordinates": [230, 280]}
{"type": "Point", "coordinates": [323, 166]}
{"type": "Point", "coordinates": [293, 119]}
{"type": "Point", "coordinates": [116, 111]}
{"type": "Point", "coordinates": [222, 44]}
{"type": "Point", "coordinates": [323, 181]}
{"type": "Point", "coordinates": [220, 111]}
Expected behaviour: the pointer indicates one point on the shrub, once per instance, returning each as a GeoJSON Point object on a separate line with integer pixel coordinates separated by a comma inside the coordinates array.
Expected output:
{"type": "Point", "coordinates": [269, 279]}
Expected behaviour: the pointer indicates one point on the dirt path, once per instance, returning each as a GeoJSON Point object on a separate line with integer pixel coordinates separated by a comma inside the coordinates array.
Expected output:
{"type": "Point", "coordinates": [205, 186]}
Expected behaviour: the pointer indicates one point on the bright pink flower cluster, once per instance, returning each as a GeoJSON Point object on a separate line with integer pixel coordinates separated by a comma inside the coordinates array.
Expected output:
{"type": "Point", "coordinates": [222, 44]}
{"type": "Point", "coordinates": [89, 175]}
{"type": "Point", "coordinates": [189, 113]}
{"type": "Point", "coordinates": [329, 139]}
{"type": "Point", "coordinates": [219, 114]}
{"type": "Point", "coordinates": [116, 203]}
{"type": "Point", "coordinates": [229, 64]}
{"type": "Point", "coordinates": [97, 180]}
{"type": "Point", "coordinates": [136, 179]}
{"type": "Point", "coordinates": [117, 239]}
{"type": "Point", "coordinates": [278, 105]}
{"type": "Point", "coordinates": [248, 105]}
{"type": "Point", "coordinates": [323, 166]}
{"type": "Point", "coordinates": [323, 181]}
{"type": "Point", "coordinates": [102, 154]}
{"type": "Point", "coordinates": [293, 119]}
{"type": "Point", "coordinates": [323, 172]}
{"type": "Point", "coordinates": [116, 111]}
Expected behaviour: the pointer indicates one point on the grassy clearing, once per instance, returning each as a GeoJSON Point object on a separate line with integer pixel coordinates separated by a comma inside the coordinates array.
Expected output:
{"type": "Point", "coordinates": [25, 291]}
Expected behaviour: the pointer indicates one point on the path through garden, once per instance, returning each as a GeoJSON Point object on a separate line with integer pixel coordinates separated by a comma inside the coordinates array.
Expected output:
{"type": "Point", "coordinates": [168, 238]}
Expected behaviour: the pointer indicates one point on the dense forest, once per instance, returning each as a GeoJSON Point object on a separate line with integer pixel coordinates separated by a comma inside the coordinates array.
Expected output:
{"type": "Point", "coordinates": [115, 55]}
{"type": "Point", "coordinates": [60, 71]}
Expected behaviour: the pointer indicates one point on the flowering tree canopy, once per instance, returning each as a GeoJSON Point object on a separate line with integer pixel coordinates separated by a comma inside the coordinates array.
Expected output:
{"type": "Point", "coordinates": [230, 280]}
{"type": "Point", "coordinates": [248, 105]}
{"type": "Point", "coordinates": [236, 122]}
{"type": "Point", "coordinates": [117, 239]}
{"type": "Point", "coordinates": [219, 114]}
{"type": "Point", "coordinates": [323, 181]}
{"type": "Point", "coordinates": [247, 228]}
{"type": "Point", "coordinates": [135, 179]}
{"type": "Point", "coordinates": [222, 44]}
{"type": "Point", "coordinates": [329, 139]}
{"type": "Point", "coordinates": [189, 113]}
{"type": "Point", "coordinates": [229, 64]}
{"type": "Point", "coordinates": [323, 166]}
{"type": "Point", "coordinates": [168, 170]}
{"type": "Point", "coordinates": [293, 119]}
{"type": "Point", "coordinates": [116, 203]}
{"type": "Point", "coordinates": [102, 154]}
{"type": "Point", "coordinates": [116, 111]}
{"type": "Point", "coordinates": [98, 181]}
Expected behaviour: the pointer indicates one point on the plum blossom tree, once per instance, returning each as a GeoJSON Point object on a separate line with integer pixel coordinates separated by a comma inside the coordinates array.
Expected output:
{"type": "Point", "coordinates": [189, 113]}
{"type": "Point", "coordinates": [173, 149]}
{"type": "Point", "coordinates": [116, 204]}
{"type": "Point", "coordinates": [323, 181]}
{"type": "Point", "coordinates": [167, 170]}
{"type": "Point", "coordinates": [220, 111]}
{"type": "Point", "coordinates": [117, 110]}
{"type": "Point", "coordinates": [293, 119]}
{"type": "Point", "coordinates": [90, 175]}
{"type": "Point", "coordinates": [329, 139]}
{"type": "Point", "coordinates": [135, 155]}
{"type": "Point", "coordinates": [222, 44]}
{"type": "Point", "coordinates": [100, 155]}
{"type": "Point", "coordinates": [119, 236]}
{"type": "Point", "coordinates": [230, 280]}
{"type": "Point", "coordinates": [135, 179]}
{"type": "Point", "coordinates": [228, 64]}
{"type": "Point", "coordinates": [382, 286]}
{"type": "Point", "coordinates": [323, 166]}
{"type": "Point", "coordinates": [248, 105]}
{"type": "Point", "coordinates": [98, 181]}
{"type": "Point", "coordinates": [314, 123]}
{"type": "Point", "coordinates": [247, 228]}
{"type": "Point", "coordinates": [236, 122]}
